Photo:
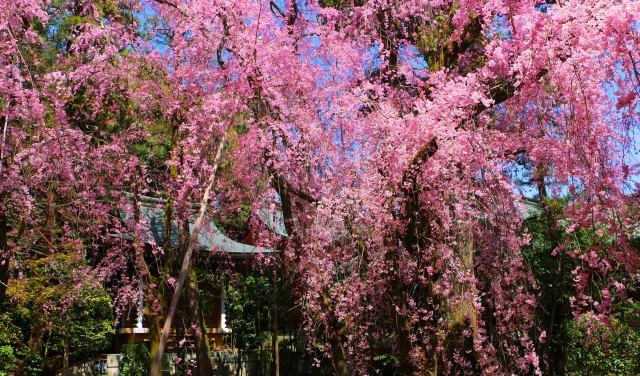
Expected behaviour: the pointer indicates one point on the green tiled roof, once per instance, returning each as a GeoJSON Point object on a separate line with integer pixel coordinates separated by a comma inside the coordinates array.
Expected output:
{"type": "Point", "coordinates": [211, 238]}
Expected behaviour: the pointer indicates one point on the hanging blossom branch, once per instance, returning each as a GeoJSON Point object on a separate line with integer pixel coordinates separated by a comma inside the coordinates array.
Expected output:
{"type": "Point", "coordinates": [4, 141]}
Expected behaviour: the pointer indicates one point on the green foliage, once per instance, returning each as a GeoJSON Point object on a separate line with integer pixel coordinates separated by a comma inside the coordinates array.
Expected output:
{"type": "Point", "coordinates": [630, 312]}
{"type": "Point", "coordinates": [155, 149]}
{"type": "Point", "coordinates": [551, 266]}
{"type": "Point", "coordinates": [552, 275]}
{"type": "Point", "coordinates": [90, 324]}
{"type": "Point", "coordinates": [31, 362]}
{"type": "Point", "coordinates": [340, 4]}
{"type": "Point", "coordinates": [8, 360]}
{"type": "Point", "coordinates": [234, 223]}
{"type": "Point", "coordinates": [15, 356]}
{"type": "Point", "coordinates": [87, 328]}
{"type": "Point", "coordinates": [9, 342]}
{"type": "Point", "coordinates": [248, 305]}
{"type": "Point", "coordinates": [597, 349]}
{"type": "Point", "coordinates": [135, 360]}
{"type": "Point", "coordinates": [50, 309]}
{"type": "Point", "coordinates": [386, 364]}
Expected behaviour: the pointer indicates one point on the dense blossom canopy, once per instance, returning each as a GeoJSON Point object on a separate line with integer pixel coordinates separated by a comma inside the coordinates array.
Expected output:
{"type": "Point", "coordinates": [394, 133]}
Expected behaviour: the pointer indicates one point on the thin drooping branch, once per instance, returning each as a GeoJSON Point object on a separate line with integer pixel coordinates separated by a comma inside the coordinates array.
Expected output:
{"type": "Point", "coordinates": [186, 263]}
{"type": "Point", "coordinates": [4, 141]}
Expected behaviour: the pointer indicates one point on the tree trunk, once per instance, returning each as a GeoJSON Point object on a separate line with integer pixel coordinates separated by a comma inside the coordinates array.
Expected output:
{"type": "Point", "coordinates": [553, 352]}
{"type": "Point", "coordinates": [403, 331]}
{"type": "Point", "coordinates": [155, 317]}
{"type": "Point", "coordinates": [402, 326]}
{"type": "Point", "coordinates": [204, 366]}
{"type": "Point", "coordinates": [46, 345]}
{"type": "Point", "coordinates": [334, 333]}
{"type": "Point", "coordinates": [415, 236]}
{"type": "Point", "coordinates": [274, 335]}
{"type": "Point", "coordinates": [4, 260]}
{"type": "Point", "coordinates": [51, 212]}
{"type": "Point", "coordinates": [155, 324]}
{"type": "Point", "coordinates": [462, 314]}
{"type": "Point", "coordinates": [465, 310]}
{"type": "Point", "coordinates": [36, 337]}
{"type": "Point", "coordinates": [164, 267]}
{"type": "Point", "coordinates": [339, 360]}
{"type": "Point", "coordinates": [186, 264]}
{"type": "Point", "coordinates": [65, 354]}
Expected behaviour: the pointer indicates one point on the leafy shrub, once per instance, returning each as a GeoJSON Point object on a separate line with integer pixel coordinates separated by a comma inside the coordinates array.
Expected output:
{"type": "Point", "coordinates": [135, 360]}
{"type": "Point", "coordinates": [248, 311]}
{"type": "Point", "coordinates": [599, 349]}
{"type": "Point", "coordinates": [9, 340]}
{"type": "Point", "coordinates": [15, 357]}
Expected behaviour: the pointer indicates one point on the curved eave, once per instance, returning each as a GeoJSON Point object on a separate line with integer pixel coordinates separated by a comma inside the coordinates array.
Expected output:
{"type": "Point", "coordinates": [210, 239]}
